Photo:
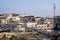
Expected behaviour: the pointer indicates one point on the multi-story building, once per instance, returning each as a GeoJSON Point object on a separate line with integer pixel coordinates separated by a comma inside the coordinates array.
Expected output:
{"type": "Point", "coordinates": [7, 27]}
{"type": "Point", "coordinates": [9, 18]}
{"type": "Point", "coordinates": [12, 18]}
{"type": "Point", "coordinates": [31, 24]}
{"type": "Point", "coordinates": [3, 20]}
{"type": "Point", "coordinates": [20, 27]}
{"type": "Point", "coordinates": [44, 27]}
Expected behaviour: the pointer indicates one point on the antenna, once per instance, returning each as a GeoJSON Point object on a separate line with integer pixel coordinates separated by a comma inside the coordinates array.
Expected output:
{"type": "Point", "coordinates": [54, 8]}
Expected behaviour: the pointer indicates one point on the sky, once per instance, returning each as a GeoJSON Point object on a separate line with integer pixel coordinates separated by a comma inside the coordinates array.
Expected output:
{"type": "Point", "coordinates": [42, 8]}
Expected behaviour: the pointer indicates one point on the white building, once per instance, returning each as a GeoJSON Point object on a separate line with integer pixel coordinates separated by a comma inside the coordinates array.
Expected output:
{"type": "Point", "coordinates": [20, 27]}
{"type": "Point", "coordinates": [9, 18]}
{"type": "Point", "coordinates": [31, 24]}
{"type": "Point", "coordinates": [3, 19]}
{"type": "Point", "coordinates": [12, 19]}
{"type": "Point", "coordinates": [44, 27]}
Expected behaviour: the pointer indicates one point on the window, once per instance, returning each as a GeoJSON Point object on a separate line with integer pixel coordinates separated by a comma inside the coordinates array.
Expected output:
{"type": "Point", "coordinates": [44, 26]}
{"type": "Point", "coordinates": [39, 26]}
{"type": "Point", "coordinates": [8, 34]}
{"type": "Point", "coordinates": [0, 35]}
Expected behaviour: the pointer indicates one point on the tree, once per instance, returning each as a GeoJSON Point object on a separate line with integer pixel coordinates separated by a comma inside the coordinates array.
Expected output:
{"type": "Point", "coordinates": [22, 38]}
{"type": "Point", "coordinates": [16, 38]}
{"type": "Point", "coordinates": [13, 37]}
{"type": "Point", "coordinates": [5, 38]}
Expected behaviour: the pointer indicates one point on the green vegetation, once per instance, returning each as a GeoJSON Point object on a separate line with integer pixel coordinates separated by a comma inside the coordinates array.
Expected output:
{"type": "Point", "coordinates": [22, 38]}
{"type": "Point", "coordinates": [4, 38]}
{"type": "Point", "coordinates": [12, 38]}
{"type": "Point", "coordinates": [16, 38]}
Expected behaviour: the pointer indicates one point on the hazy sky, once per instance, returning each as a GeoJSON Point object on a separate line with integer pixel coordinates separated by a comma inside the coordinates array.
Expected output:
{"type": "Point", "coordinates": [31, 7]}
